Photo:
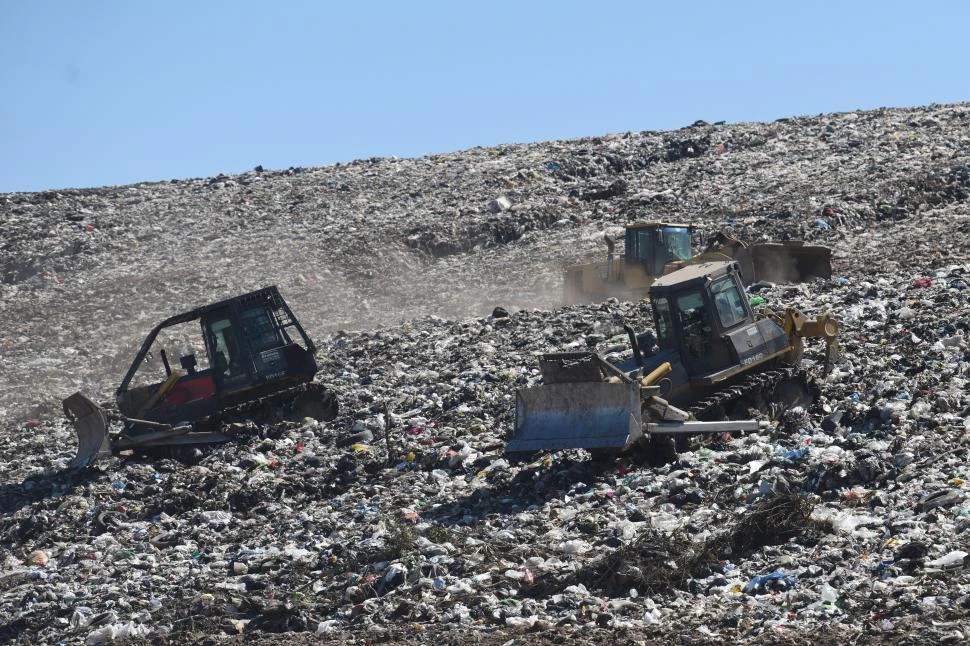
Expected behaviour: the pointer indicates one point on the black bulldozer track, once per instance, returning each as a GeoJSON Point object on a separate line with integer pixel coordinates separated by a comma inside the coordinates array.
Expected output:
{"type": "Point", "coordinates": [189, 441]}
{"type": "Point", "coordinates": [763, 395]}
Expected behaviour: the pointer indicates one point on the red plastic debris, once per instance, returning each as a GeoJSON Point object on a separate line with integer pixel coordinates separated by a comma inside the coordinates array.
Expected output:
{"type": "Point", "coordinates": [410, 515]}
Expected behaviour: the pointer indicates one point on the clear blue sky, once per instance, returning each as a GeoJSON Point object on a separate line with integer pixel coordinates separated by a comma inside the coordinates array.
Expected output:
{"type": "Point", "coordinates": [95, 93]}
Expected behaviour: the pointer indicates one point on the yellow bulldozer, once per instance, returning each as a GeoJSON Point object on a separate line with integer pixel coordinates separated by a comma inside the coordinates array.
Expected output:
{"type": "Point", "coordinates": [711, 362]}
{"type": "Point", "coordinates": [654, 249]}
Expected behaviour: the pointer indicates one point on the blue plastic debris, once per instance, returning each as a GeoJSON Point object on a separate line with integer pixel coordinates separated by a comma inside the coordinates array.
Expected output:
{"type": "Point", "coordinates": [822, 224]}
{"type": "Point", "coordinates": [766, 582]}
{"type": "Point", "coordinates": [797, 454]}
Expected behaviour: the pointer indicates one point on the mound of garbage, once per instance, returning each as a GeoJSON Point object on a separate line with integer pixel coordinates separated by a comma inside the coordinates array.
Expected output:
{"type": "Point", "coordinates": [431, 287]}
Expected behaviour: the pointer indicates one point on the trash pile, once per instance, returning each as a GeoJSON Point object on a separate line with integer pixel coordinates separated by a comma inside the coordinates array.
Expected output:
{"type": "Point", "coordinates": [403, 518]}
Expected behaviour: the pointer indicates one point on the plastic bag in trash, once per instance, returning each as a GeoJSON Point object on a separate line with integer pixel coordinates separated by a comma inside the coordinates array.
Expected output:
{"type": "Point", "coordinates": [775, 581]}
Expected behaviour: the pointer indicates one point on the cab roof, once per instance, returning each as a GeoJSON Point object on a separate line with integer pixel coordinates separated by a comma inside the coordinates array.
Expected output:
{"type": "Point", "coordinates": [656, 225]}
{"type": "Point", "coordinates": [693, 274]}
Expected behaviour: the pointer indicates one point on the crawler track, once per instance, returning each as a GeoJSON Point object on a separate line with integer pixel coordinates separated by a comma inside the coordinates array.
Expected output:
{"type": "Point", "coordinates": [758, 391]}
{"type": "Point", "coordinates": [304, 400]}
{"type": "Point", "coordinates": [291, 404]}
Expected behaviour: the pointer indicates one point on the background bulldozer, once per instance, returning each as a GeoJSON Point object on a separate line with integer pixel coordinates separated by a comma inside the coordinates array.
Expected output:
{"type": "Point", "coordinates": [715, 360]}
{"type": "Point", "coordinates": [653, 249]}
{"type": "Point", "coordinates": [244, 355]}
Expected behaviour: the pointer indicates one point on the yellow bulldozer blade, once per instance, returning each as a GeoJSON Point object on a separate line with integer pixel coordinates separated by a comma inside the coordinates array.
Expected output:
{"type": "Point", "coordinates": [573, 415]}
{"type": "Point", "coordinates": [91, 424]}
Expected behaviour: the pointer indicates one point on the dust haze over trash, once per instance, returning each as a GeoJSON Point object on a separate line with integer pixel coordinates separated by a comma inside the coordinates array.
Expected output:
{"type": "Point", "coordinates": [847, 519]}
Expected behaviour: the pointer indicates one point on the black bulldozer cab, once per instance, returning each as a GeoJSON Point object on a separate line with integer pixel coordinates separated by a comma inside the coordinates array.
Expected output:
{"type": "Point", "coordinates": [706, 329]}
{"type": "Point", "coordinates": [233, 351]}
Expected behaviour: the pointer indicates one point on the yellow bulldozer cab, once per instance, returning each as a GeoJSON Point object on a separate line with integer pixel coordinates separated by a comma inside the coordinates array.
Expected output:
{"type": "Point", "coordinates": [654, 249]}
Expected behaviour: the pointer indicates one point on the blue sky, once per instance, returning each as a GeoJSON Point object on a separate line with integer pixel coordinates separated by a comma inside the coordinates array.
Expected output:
{"type": "Point", "coordinates": [115, 92]}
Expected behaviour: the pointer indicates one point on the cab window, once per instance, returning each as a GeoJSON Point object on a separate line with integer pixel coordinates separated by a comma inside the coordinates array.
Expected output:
{"type": "Point", "coordinates": [665, 336]}
{"type": "Point", "coordinates": [695, 321]}
{"type": "Point", "coordinates": [261, 330]}
{"type": "Point", "coordinates": [228, 358]}
{"type": "Point", "coordinates": [728, 302]}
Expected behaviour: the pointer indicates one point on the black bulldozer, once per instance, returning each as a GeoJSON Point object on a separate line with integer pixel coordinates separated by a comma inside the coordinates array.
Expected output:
{"type": "Point", "coordinates": [247, 355]}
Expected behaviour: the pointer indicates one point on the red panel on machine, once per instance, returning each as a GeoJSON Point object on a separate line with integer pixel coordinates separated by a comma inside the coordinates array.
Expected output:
{"type": "Point", "coordinates": [191, 388]}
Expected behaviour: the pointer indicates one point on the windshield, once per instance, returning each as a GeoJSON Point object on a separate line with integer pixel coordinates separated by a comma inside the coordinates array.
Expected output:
{"type": "Point", "coordinates": [695, 325]}
{"type": "Point", "coordinates": [677, 243]}
{"type": "Point", "coordinates": [172, 342]}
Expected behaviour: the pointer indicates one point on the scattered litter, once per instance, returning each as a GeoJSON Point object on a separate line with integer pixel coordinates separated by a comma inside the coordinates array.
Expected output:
{"type": "Point", "coordinates": [431, 286]}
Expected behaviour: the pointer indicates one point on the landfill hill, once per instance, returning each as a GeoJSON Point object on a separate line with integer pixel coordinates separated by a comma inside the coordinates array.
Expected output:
{"type": "Point", "coordinates": [848, 520]}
